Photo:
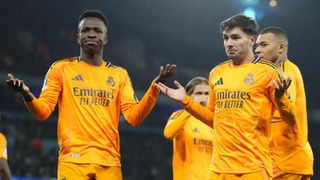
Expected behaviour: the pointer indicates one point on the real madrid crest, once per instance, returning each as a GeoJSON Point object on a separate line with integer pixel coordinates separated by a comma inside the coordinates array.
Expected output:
{"type": "Point", "coordinates": [249, 79]}
{"type": "Point", "coordinates": [110, 81]}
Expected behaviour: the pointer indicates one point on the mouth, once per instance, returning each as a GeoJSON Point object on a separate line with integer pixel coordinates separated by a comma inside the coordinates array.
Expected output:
{"type": "Point", "coordinates": [231, 51]}
{"type": "Point", "coordinates": [91, 42]}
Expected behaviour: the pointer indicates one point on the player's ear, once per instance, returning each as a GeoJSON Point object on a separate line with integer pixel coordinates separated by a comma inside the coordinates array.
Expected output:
{"type": "Point", "coordinates": [106, 39]}
{"type": "Point", "coordinates": [78, 38]}
{"type": "Point", "coordinates": [253, 39]}
{"type": "Point", "coordinates": [282, 48]}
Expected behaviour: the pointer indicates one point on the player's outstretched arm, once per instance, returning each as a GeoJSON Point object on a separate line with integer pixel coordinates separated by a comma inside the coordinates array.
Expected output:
{"type": "Point", "coordinates": [194, 108]}
{"type": "Point", "coordinates": [19, 86]}
{"type": "Point", "coordinates": [136, 113]}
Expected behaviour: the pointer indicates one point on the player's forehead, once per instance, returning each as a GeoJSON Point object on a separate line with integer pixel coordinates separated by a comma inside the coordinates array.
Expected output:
{"type": "Point", "coordinates": [267, 37]}
{"type": "Point", "coordinates": [201, 88]}
{"type": "Point", "coordinates": [91, 22]}
{"type": "Point", "coordinates": [233, 31]}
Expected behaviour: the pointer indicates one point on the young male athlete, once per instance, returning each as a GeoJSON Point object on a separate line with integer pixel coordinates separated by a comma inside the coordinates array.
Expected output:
{"type": "Point", "coordinates": [290, 149]}
{"type": "Point", "coordinates": [91, 93]}
{"type": "Point", "coordinates": [244, 92]}
{"type": "Point", "coordinates": [192, 139]}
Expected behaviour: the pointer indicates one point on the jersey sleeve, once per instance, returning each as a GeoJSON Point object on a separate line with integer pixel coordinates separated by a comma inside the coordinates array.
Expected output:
{"type": "Point", "coordinates": [43, 106]}
{"type": "Point", "coordinates": [175, 123]}
{"type": "Point", "coordinates": [133, 110]}
{"type": "Point", "coordinates": [200, 112]}
{"type": "Point", "coordinates": [3, 147]}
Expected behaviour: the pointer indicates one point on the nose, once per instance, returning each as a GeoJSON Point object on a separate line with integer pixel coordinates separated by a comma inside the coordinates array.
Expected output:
{"type": "Point", "coordinates": [91, 34]}
{"type": "Point", "coordinates": [228, 43]}
{"type": "Point", "coordinates": [257, 51]}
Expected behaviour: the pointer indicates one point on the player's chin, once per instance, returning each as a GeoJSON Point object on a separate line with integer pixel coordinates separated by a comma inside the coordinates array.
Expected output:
{"type": "Point", "coordinates": [91, 49]}
{"type": "Point", "coordinates": [232, 55]}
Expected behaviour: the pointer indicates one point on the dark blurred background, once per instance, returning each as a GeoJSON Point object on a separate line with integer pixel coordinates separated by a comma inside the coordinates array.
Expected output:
{"type": "Point", "coordinates": [144, 34]}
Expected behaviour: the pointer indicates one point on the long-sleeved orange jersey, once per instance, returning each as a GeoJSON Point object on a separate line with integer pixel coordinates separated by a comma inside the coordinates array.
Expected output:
{"type": "Point", "coordinates": [3, 147]}
{"type": "Point", "coordinates": [192, 146]}
{"type": "Point", "coordinates": [241, 106]}
{"type": "Point", "coordinates": [289, 147]}
{"type": "Point", "coordinates": [90, 100]}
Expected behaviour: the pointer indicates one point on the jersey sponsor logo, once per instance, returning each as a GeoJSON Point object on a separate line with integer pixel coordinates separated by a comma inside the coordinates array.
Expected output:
{"type": "Point", "coordinates": [249, 79]}
{"type": "Point", "coordinates": [231, 99]}
{"type": "Point", "coordinates": [219, 82]}
{"type": "Point", "coordinates": [78, 78]}
{"type": "Point", "coordinates": [94, 97]}
{"type": "Point", "coordinates": [203, 145]}
{"type": "Point", "coordinates": [110, 81]}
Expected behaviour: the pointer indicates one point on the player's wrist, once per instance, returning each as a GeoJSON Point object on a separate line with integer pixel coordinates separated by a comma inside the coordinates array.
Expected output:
{"type": "Point", "coordinates": [27, 96]}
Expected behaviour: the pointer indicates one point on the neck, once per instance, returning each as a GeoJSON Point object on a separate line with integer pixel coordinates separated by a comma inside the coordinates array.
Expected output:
{"type": "Point", "coordinates": [281, 58]}
{"type": "Point", "coordinates": [95, 59]}
{"type": "Point", "coordinates": [244, 60]}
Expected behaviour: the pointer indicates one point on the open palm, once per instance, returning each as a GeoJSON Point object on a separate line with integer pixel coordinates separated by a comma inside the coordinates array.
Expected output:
{"type": "Point", "coordinates": [176, 94]}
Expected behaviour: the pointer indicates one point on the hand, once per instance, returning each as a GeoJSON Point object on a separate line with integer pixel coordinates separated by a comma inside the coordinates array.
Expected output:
{"type": "Point", "coordinates": [281, 87]}
{"type": "Point", "coordinates": [19, 86]}
{"type": "Point", "coordinates": [175, 94]}
{"type": "Point", "coordinates": [166, 73]}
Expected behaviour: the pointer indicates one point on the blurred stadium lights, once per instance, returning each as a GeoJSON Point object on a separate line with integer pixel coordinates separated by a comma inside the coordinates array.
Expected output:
{"type": "Point", "coordinates": [251, 12]}
{"type": "Point", "coordinates": [273, 3]}
{"type": "Point", "coordinates": [250, 2]}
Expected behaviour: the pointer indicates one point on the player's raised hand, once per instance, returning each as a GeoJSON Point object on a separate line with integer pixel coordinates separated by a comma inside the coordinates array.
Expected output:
{"type": "Point", "coordinates": [165, 73]}
{"type": "Point", "coordinates": [176, 94]}
{"type": "Point", "coordinates": [19, 86]}
{"type": "Point", "coordinates": [281, 87]}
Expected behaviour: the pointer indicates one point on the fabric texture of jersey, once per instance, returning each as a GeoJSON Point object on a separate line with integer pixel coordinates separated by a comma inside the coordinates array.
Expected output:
{"type": "Point", "coordinates": [242, 100]}
{"type": "Point", "coordinates": [289, 147]}
{"type": "Point", "coordinates": [90, 99]}
{"type": "Point", "coordinates": [192, 146]}
{"type": "Point", "coordinates": [3, 147]}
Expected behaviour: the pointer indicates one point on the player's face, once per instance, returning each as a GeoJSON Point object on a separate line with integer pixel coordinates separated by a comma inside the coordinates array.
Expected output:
{"type": "Point", "coordinates": [92, 35]}
{"type": "Point", "coordinates": [237, 44]}
{"type": "Point", "coordinates": [268, 47]}
{"type": "Point", "coordinates": [200, 94]}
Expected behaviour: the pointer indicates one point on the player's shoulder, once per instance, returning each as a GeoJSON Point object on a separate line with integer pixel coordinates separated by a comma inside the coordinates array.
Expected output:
{"type": "Point", "coordinates": [224, 63]}
{"type": "Point", "coordinates": [2, 138]}
{"type": "Point", "coordinates": [221, 66]}
{"type": "Point", "coordinates": [112, 66]}
{"type": "Point", "coordinates": [177, 113]}
{"type": "Point", "coordinates": [64, 61]}
{"type": "Point", "coordinates": [267, 65]}
{"type": "Point", "coordinates": [287, 63]}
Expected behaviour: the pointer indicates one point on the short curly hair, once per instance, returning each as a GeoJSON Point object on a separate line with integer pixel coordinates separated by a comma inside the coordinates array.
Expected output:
{"type": "Point", "coordinates": [94, 13]}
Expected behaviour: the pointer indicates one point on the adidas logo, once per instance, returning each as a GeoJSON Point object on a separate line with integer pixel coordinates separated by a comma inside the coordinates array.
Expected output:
{"type": "Point", "coordinates": [78, 78]}
{"type": "Point", "coordinates": [196, 130]}
{"type": "Point", "coordinates": [219, 82]}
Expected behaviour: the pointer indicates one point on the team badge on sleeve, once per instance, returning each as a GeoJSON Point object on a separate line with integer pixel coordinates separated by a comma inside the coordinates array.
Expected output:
{"type": "Point", "coordinates": [110, 81]}
{"type": "Point", "coordinates": [249, 79]}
